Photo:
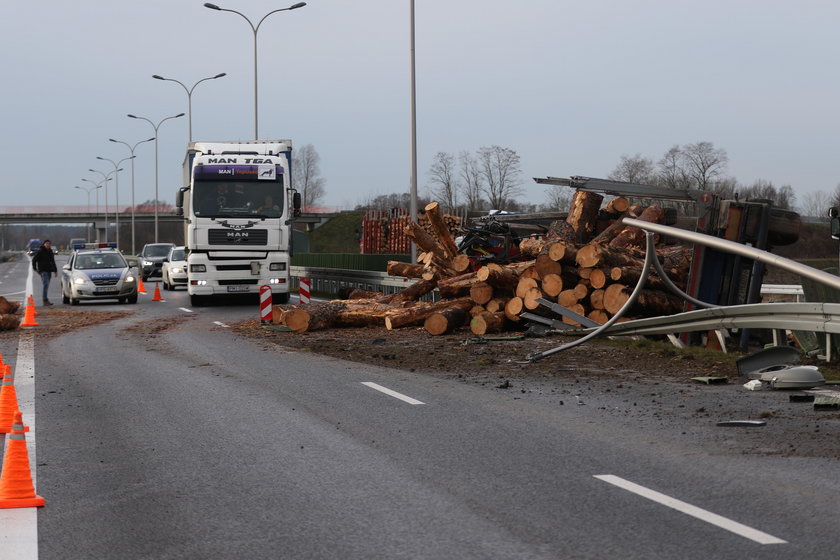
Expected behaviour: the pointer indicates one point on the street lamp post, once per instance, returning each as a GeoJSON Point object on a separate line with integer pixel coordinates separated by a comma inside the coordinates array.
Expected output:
{"type": "Point", "coordinates": [87, 190]}
{"type": "Point", "coordinates": [117, 190]}
{"type": "Point", "coordinates": [156, 127]}
{"type": "Point", "coordinates": [105, 177]}
{"type": "Point", "coordinates": [98, 186]}
{"type": "Point", "coordinates": [189, 93]}
{"type": "Point", "coordinates": [131, 149]}
{"type": "Point", "coordinates": [255, 28]}
{"type": "Point", "coordinates": [413, 133]}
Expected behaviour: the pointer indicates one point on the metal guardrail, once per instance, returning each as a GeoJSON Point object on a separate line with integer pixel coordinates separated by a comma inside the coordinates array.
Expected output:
{"type": "Point", "coordinates": [332, 280]}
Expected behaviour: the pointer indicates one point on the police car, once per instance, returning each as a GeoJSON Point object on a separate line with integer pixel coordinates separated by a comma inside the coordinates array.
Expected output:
{"type": "Point", "coordinates": [98, 273]}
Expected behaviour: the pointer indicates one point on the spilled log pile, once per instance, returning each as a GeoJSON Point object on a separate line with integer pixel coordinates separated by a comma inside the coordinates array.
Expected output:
{"type": "Point", "coordinates": [588, 263]}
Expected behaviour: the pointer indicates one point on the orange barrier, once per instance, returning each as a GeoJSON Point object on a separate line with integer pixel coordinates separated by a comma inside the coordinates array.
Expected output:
{"type": "Point", "coordinates": [157, 297]}
{"type": "Point", "coordinates": [141, 287]}
{"type": "Point", "coordinates": [16, 488]}
{"type": "Point", "coordinates": [29, 316]}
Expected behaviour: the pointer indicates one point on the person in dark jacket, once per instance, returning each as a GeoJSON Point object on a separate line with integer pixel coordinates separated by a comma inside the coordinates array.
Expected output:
{"type": "Point", "coordinates": [44, 264]}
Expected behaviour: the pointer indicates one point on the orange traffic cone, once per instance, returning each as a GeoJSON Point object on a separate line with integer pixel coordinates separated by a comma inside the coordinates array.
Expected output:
{"type": "Point", "coordinates": [16, 488]}
{"type": "Point", "coordinates": [31, 301]}
{"type": "Point", "coordinates": [29, 316]}
{"type": "Point", "coordinates": [8, 401]}
{"type": "Point", "coordinates": [141, 288]}
{"type": "Point", "coordinates": [157, 297]}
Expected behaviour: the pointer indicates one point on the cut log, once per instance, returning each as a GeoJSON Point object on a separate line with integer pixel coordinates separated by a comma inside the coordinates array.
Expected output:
{"type": "Point", "coordinates": [412, 293]}
{"type": "Point", "coordinates": [562, 251]}
{"type": "Point", "coordinates": [599, 316]}
{"type": "Point", "coordinates": [596, 299]}
{"type": "Point", "coordinates": [530, 272]}
{"type": "Point", "coordinates": [496, 304]}
{"type": "Point", "coordinates": [633, 236]}
{"type": "Point", "coordinates": [595, 255]}
{"type": "Point", "coordinates": [277, 314]}
{"type": "Point", "coordinates": [477, 310]}
{"type": "Point", "coordinates": [487, 323]}
{"type": "Point", "coordinates": [630, 277]}
{"type": "Point", "coordinates": [552, 285]}
{"type": "Point", "coordinates": [456, 286]}
{"type": "Point", "coordinates": [418, 313]}
{"type": "Point", "coordinates": [441, 230]}
{"type": "Point", "coordinates": [8, 307]}
{"type": "Point", "coordinates": [546, 266]}
{"type": "Point", "coordinates": [444, 322]}
{"type": "Point", "coordinates": [559, 230]}
{"type": "Point", "coordinates": [481, 292]}
{"type": "Point", "coordinates": [359, 293]}
{"type": "Point", "coordinates": [581, 290]}
{"type": "Point", "coordinates": [531, 296]}
{"type": "Point", "coordinates": [583, 214]}
{"type": "Point", "coordinates": [577, 308]}
{"type": "Point", "coordinates": [408, 270]}
{"type": "Point", "coordinates": [531, 246]}
{"type": "Point", "coordinates": [618, 225]}
{"type": "Point", "coordinates": [498, 277]}
{"type": "Point", "coordinates": [513, 308]}
{"type": "Point", "coordinates": [650, 303]}
{"type": "Point", "coordinates": [337, 313]}
{"type": "Point", "coordinates": [598, 278]}
{"type": "Point", "coordinates": [9, 321]}
{"type": "Point", "coordinates": [524, 285]}
{"type": "Point", "coordinates": [618, 205]}
{"type": "Point", "coordinates": [567, 298]}
{"type": "Point", "coordinates": [461, 263]}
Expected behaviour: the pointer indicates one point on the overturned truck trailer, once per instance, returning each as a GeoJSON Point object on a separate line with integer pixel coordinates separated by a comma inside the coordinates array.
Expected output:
{"type": "Point", "coordinates": [716, 277]}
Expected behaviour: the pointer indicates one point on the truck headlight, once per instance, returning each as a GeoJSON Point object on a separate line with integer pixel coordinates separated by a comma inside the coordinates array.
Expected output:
{"type": "Point", "coordinates": [277, 266]}
{"type": "Point", "coordinates": [198, 268]}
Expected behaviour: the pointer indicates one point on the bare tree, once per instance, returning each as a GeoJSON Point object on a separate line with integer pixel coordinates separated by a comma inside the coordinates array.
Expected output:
{"type": "Point", "coordinates": [782, 197]}
{"type": "Point", "coordinates": [471, 181]}
{"type": "Point", "coordinates": [558, 199]}
{"type": "Point", "coordinates": [306, 172]}
{"type": "Point", "coordinates": [636, 169]}
{"type": "Point", "coordinates": [444, 179]}
{"type": "Point", "coordinates": [500, 170]}
{"type": "Point", "coordinates": [703, 163]}
{"type": "Point", "coordinates": [672, 173]}
{"type": "Point", "coordinates": [816, 204]}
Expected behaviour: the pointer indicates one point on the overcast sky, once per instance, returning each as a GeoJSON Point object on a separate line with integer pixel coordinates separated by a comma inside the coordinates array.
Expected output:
{"type": "Point", "coordinates": [571, 86]}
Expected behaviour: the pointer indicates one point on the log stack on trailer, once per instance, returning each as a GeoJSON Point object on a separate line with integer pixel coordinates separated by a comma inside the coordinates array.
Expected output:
{"type": "Point", "coordinates": [588, 263]}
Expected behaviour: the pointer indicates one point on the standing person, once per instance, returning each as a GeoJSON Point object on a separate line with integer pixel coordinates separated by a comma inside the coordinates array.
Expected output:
{"type": "Point", "coordinates": [44, 264]}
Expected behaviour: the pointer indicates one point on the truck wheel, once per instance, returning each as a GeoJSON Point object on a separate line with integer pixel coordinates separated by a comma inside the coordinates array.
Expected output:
{"type": "Point", "coordinates": [279, 299]}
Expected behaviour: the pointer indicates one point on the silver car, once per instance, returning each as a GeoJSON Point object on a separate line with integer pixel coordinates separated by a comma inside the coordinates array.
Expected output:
{"type": "Point", "coordinates": [98, 274]}
{"type": "Point", "coordinates": [174, 270]}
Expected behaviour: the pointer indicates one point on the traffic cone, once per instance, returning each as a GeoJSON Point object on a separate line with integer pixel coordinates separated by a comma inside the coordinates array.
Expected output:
{"type": "Point", "coordinates": [141, 288]}
{"type": "Point", "coordinates": [29, 316]}
{"type": "Point", "coordinates": [8, 401]}
{"type": "Point", "coordinates": [157, 297]}
{"type": "Point", "coordinates": [16, 488]}
{"type": "Point", "coordinates": [31, 301]}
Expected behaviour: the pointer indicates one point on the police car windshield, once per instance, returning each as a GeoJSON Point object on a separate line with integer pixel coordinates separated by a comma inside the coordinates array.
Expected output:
{"type": "Point", "coordinates": [218, 199]}
{"type": "Point", "coordinates": [99, 260]}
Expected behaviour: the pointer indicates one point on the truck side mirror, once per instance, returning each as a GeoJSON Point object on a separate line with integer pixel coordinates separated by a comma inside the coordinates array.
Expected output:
{"type": "Point", "coordinates": [296, 204]}
{"type": "Point", "coordinates": [179, 201]}
{"type": "Point", "coordinates": [835, 228]}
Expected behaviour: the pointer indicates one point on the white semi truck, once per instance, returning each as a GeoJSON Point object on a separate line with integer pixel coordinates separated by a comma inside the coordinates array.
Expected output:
{"type": "Point", "coordinates": [238, 205]}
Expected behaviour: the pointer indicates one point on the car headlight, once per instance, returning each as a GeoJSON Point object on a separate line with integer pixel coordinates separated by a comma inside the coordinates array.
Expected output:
{"type": "Point", "coordinates": [177, 270]}
{"type": "Point", "coordinates": [277, 266]}
{"type": "Point", "coordinates": [198, 268]}
{"type": "Point", "coordinates": [129, 278]}
{"type": "Point", "coordinates": [148, 263]}
{"type": "Point", "coordinates": [78, 280]}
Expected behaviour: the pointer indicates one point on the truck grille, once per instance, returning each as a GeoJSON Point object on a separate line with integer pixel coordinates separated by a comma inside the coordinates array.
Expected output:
{"type": "Point", "coordinates": [237, 237]}
{"type": "Point", "coordinates": [238, 282]}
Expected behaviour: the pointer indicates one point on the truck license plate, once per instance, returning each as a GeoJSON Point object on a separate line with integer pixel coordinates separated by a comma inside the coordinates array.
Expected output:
{"type": "Point", "coordinates": [238, 288]}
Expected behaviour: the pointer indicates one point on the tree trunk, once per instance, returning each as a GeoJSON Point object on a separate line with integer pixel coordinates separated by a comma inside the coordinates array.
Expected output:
{"type": "Point", "coordinates": [441, 231]}
{"type": "Point", "coordinates": [650, 303]}
{"type": "Point", "coordinates": [513, 308]}
{"type": "Point", "coordinates": [412, 293]}
{"type": "Point", "coordinates": [408, 270]}
{"type": "Point", "coordinates": [496, 304]}
{"type": "Point", "coordinates": [546, 266]}
{"type": "Point", "coordinates": [524, 285]}
{"type": "Point", "coordinates": [633, 236]}
{"type": "Point", "coordinates": [501, 278]}
{"type": "Point", "coordinates": [418, 313]}
{"type": "Point", "coordinates": [552, 285]}
{"type": "Point", "coordinates": [583, 214]}
{"type": "Point", "coordinates": [481, 292]}
{"type": "Point", "coordinates": [618, 225]}
{"type": "Point", "coordinates": [456, 286]}
{"type": "Point", "coordinates": [487, 323]}
{"type": "Point", "coordinates": [618, 205]}
{"type": "Point", "coordinates": [562, 251]}
{"type": "Point", "coordinates": [444, 322]}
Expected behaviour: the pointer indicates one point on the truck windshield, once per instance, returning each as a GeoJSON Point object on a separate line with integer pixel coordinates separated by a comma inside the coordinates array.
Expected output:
{"type": "Point", "coordinates": [238, 192]}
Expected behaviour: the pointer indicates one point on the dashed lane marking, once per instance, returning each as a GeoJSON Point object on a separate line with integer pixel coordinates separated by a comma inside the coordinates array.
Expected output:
{"type": "Point", "coordinates": [394, 394]}
{"type": "Point", "coordinates": [185, 310]}
{"type": "Point", "coordinates": [694, 511]}
{"type": "Point", "coordinates": [221, 324]}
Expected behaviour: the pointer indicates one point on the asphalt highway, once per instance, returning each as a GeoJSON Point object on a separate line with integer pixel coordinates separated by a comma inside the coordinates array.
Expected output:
{"type": "Point", "coordinates": [193, 442]}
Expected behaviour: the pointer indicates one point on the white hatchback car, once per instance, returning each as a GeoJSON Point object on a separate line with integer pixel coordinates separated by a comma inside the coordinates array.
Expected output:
{"type": "Point", "coordinates": [174, 270]}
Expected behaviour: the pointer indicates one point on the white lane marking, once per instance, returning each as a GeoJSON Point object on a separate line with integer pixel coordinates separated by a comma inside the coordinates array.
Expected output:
{"type": "Point", "coordinates": [221, 324]}
{"type": "Point", "coordinates": [694, 511]}
{"type": "Point", "coordinates": [14, 293]}
{"type": "Point", "coordinates": [185, 310]}
{"type": "Point", "coordinates": [394, 394]}
{"type": "Point", "coordinates": [19, 526]}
